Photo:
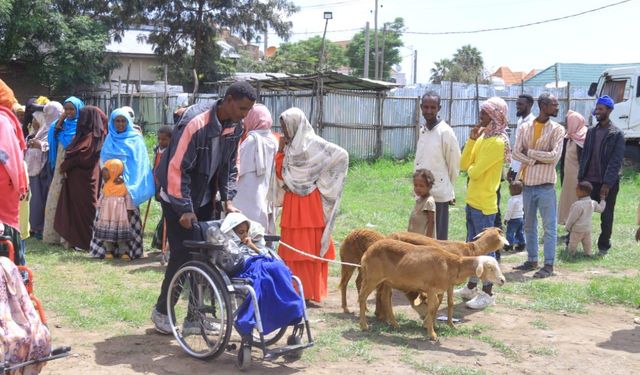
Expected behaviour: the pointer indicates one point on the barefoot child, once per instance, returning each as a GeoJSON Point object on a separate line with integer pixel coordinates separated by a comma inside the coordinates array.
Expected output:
{"type": "Point", "coordinates": [579, 221]}
{"type": "Point", "coordinates": [115, 206]}
{"type": "Point", "coordinates": [423, 216]}
{"type": "Point", "coordinates": [164, 138]}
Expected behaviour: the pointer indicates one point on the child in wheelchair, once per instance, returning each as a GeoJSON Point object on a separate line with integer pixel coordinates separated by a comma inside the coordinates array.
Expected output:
{"type": "Point", "coordinates": [279, 303]}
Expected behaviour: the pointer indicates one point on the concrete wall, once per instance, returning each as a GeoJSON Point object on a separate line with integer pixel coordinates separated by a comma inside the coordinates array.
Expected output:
{"type": "Point", "coordinates": [141, 67]}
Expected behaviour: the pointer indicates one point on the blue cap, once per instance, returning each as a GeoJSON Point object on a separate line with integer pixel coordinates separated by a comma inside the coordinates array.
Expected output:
{"type": "Point", "coordinates": [606, 101]}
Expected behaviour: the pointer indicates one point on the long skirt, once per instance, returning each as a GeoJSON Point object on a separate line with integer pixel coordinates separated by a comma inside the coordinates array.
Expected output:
{"type": "Point", "coordinates": [302, 226]}
{"type": "Point", "coordinates": [98, 248]}
{"type": "Point", "coordinates": [39, 187]}
{"type": "Point", "coordinates": [569, 182]}
{"type": "Point", "coordinates": [49, 235]}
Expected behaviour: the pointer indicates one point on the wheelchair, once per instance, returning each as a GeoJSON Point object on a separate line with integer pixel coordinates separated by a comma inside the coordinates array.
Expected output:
{"type": "Point", "coordinates": [6, 367]}
{"type": "Point", "coordinates": [203, 303]}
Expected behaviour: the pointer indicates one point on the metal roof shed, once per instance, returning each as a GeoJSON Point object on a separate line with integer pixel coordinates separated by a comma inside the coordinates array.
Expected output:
{"type": "Point", "coordinates": [285, 91]}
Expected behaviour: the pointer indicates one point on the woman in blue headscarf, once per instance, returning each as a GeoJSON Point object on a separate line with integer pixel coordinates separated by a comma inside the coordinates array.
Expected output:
{"type": "Point", "coordinates": [60, 135]}
{"type": "Point", "coordinates": [124, 143]}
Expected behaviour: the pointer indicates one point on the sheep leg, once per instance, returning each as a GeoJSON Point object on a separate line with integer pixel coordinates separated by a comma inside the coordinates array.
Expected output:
{"type": "Point", "coordinates": [381, 312]}
{"type": "Point", "coordinates": [387, 306]}
{"type": "Point", "coordinates": [366, 290]}
{"type": "Point", "coordinates": [432, 310]}
{"type": "Point", "coordinates": [346, 273]}
{"type": "Point", "coordinates": [450, 306]}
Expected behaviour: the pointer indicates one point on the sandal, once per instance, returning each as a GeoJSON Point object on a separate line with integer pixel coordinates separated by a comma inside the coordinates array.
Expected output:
{"type": "Point", "coordinates": [527, 266]}
{"type": "Point", "coordinates": [543, 273]}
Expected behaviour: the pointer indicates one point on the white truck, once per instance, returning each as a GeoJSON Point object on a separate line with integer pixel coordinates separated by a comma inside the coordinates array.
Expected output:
{"type": "Point", "coordinates": [623, 86]}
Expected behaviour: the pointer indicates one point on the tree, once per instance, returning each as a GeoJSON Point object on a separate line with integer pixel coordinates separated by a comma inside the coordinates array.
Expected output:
{"type": "Point", "coordinates": [185, 31]}
{"type": "Point", "coordinates": [392, 43]}
{"type": "Point", "coordinates": [439, 72]}
{"type": "Point", "coordinates": [466, 65]}
{"type": "Point", "coordinates": [60, 42]}
{"type": "Point", "coordinates": [303, 57]}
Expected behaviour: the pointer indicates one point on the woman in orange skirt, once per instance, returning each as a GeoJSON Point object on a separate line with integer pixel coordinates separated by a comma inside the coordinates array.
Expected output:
{"type": "Point", "coordinates": [311, 172]}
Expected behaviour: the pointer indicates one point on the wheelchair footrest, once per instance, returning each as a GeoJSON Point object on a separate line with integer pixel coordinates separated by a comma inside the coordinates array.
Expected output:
{"type": "Point", "coordinates": [240, 280]}
{"type": "Point", "coordinates": [272, 354]}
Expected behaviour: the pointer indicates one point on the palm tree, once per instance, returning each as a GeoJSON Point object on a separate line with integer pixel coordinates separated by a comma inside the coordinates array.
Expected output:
{"type": "Point", "coordinates": [469, 58]}
{"type": "Point", "coordinates": [439, 73]}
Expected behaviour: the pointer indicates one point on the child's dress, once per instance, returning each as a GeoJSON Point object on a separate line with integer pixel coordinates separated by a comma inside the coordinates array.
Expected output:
{"type": "Point", "coordinates": [418, 220]}
{"type": "Point", "coordinates": [113, 223]}
{"type": "Point", "coordinates": [113, 218]}
{"type": "Point", "coordinates": [159, 240]}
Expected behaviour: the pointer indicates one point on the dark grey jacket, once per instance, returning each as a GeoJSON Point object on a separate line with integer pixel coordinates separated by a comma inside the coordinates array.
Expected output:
{"type": "Point", "coordinates": [186, 170]}
{"type": "Point", "coordinates": [611, 155]}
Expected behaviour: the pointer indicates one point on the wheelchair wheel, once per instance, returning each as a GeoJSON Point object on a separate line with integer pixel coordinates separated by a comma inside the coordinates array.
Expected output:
{"type": "Point", "coordinates": [244, 357]}
{"type": "Point", "coordinates": [200, 310]}
{"type": "Point", "coordinates": [271, 338]}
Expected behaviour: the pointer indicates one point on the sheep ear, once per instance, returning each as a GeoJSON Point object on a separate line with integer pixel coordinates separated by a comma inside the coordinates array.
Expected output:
{"type": "Point", "coordinates": [479, 235]}
{"type": "Point", "coordinates": [479, 268]}
{"type": "Point", "coordinates": [416, 301]}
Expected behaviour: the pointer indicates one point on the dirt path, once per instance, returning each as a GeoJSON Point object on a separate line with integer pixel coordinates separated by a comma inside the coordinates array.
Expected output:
{"type": "Point", "coordinates": [515, 341]}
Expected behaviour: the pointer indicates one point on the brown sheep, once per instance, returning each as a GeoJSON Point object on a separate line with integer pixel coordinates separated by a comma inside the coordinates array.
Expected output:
{"type": "Point", "coordinates": [351, 251]}
{"type": "Point", "coordinates": [419, 269]}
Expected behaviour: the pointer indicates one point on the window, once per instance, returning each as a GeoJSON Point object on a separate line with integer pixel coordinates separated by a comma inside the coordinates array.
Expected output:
{"type": "Point", "coordinates": [617, 90]}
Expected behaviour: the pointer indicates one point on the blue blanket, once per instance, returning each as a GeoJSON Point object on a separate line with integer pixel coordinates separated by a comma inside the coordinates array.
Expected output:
{"type": "Point", "coordinates": [280, 305]}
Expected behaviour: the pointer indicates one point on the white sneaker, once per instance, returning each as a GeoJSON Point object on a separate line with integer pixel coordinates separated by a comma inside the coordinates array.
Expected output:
{"type": "Point", "coordinates": [481, 301]}
{"type": "Point", "coordinates": [465, 293]}
{"type": "Point", "coordinates": [161, 322]}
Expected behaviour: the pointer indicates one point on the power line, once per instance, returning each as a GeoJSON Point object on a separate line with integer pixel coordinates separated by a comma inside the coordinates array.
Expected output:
{"type": "Point", "coordinates": [324, 5]}
{"type": "Point", "coordinates": [517, 26]}
{"type": "Point", "coordinates": [479, 30]}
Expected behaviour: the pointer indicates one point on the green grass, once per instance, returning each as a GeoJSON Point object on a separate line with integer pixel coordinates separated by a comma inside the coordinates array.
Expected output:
{"type": "Point", "coordinates": [540, 324]}
{"type": "Point", "coordinates": [409, 357]}
{"type": "Point", "coordinates": [545, 351]}
{"type": "Point", "coordinates": [574, 297]}
{"type": "Point", "coordinates": [87, 293]}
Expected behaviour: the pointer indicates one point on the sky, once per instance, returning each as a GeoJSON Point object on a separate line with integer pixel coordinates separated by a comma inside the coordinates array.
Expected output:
{"type": "Point", "coordinates": [607, 36]}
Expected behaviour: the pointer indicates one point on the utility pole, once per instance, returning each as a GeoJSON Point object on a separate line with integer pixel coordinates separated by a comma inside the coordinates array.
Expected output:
{"type": "Point", "coordinates": [375, 39]}
{"type": "Point", "coordinates": [384, 38]}
{"type": "Point", "coordinates": [366, 51]}
{"type": "Point", "coordinates": [415, 66]}
{"type": "Point", "coordinates": [327, 16]}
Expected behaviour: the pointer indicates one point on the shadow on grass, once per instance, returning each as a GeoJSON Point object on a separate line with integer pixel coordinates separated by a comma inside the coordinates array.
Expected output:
{"type": "Point", "coordinates": [160, 354]}
{"type": "Point", "coordinates": [623, 340]}
{"type": "Point", "coordinates": [411, 334]}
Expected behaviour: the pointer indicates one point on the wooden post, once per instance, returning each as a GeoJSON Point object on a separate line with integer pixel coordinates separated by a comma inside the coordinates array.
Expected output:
{"type": "Point", "coordinates": [477, 96]}
{"type": "Point", "coordinates": [568, 96]}
{"type": "Point", "coordinates": [165, 97]}
{"type": "Point", "coordinates": [119, 85]}
{"type": "Point", "coordinates": [416, 117]}
{"type": "Point", "coordinates": [379, 125]}
{"type": "Point", "coordinates": [320, 104]}
{"type": "Point", "coordinates": [450, 102]}
{"type": "Point", "coordinates": [522, 87]}
{"type": "Point", "coordinates": [195, 86]}
{"type": "Point", "coordinates": [365, 72]}
{"type": "Point", "coordinates": [384, 37]}
{"type": "Point", "coordinates": [126, 89]}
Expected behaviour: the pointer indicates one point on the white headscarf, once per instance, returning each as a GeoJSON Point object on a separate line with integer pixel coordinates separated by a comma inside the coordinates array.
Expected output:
{"type": "Point", "coordinates": [311, 162]}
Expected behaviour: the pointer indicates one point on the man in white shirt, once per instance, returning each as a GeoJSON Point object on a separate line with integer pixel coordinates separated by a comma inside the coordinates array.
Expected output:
{"type": "Point", "coordinates": [439, 152]}
{"type": "Point", "coordinates": [524, 114]}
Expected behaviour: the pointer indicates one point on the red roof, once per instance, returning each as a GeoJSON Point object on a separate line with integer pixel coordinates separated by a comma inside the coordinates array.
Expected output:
{"type": "Point", "coordinates": [512, 78]}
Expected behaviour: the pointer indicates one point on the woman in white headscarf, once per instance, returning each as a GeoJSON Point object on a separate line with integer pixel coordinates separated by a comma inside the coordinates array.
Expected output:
{"type": "Point", "coordinates": [36, 157]}
{"type": "Point", "coordinates": [256, 155]}
{"type": "Point", "coordinates": [311, 172]}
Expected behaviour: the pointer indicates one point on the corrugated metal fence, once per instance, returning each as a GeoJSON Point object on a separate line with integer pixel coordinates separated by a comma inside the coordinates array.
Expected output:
{"type": "Point", "coordinates": [351, 119]}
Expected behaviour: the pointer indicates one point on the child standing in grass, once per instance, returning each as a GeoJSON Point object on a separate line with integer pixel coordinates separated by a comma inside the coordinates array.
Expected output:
{"type": "Point", "coordinates": [579, 221]}
{"type": "Point", "coordinates": [164, 138]}
{"type": "Point", "coordinates": [423, 216]}
{"type": "Point", "coordinates": [115, 206]}
{"type": "Point", "coordinates": [513, 218]}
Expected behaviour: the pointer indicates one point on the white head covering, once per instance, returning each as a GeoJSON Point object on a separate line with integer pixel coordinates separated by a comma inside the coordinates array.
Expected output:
{"type": "Point", "coordinates": [310, 163]}
{"type": "Point", "coordinates": [232, 220]}
{"type": "Point", "coordinates": [52, 112]}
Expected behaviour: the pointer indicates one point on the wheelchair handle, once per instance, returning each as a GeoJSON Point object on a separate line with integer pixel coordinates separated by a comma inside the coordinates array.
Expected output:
{"type": "Point", "coordinates": [271, 237]}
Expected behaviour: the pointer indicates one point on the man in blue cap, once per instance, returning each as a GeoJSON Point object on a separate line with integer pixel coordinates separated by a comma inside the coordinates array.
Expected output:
{"type": "Point", "coordinates": [601, 163]}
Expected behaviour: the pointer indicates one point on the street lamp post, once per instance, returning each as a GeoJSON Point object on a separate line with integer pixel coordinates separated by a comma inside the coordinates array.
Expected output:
{"type": "Point", "coordinates": [327, 17]}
